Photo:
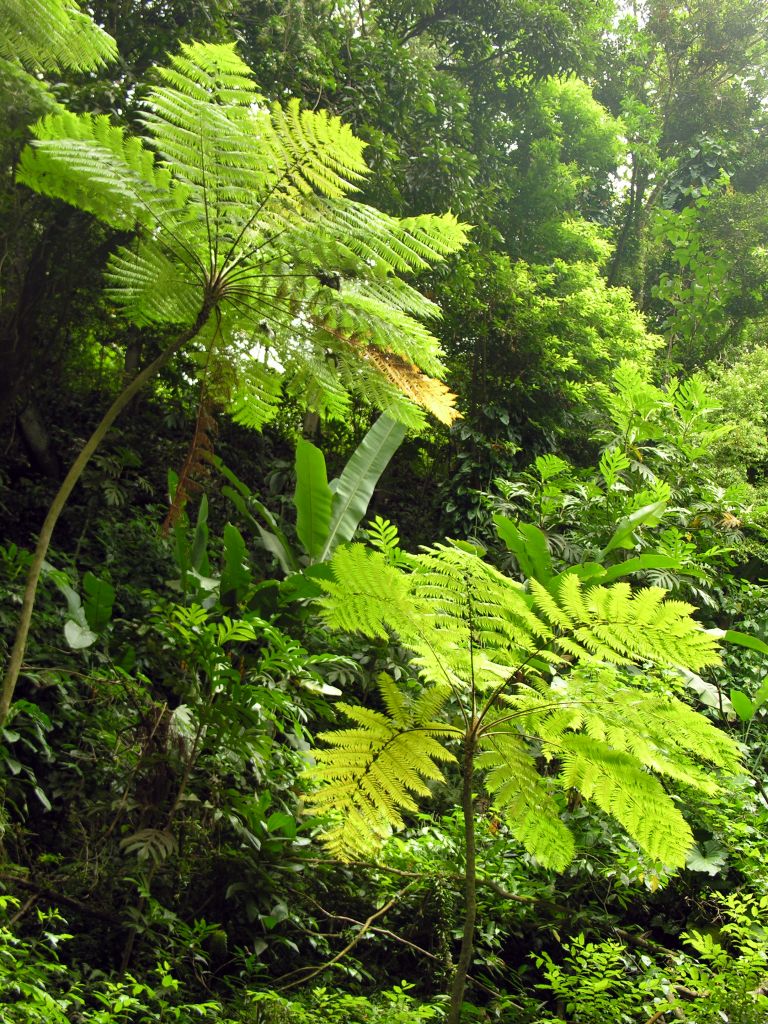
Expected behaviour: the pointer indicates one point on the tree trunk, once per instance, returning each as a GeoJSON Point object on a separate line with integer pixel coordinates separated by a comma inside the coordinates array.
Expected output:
{"type": "Point", "coordinates": [33, 577]}
{"type": "Point", "coordinates": [470, 881]}
{"type": "Point", "coordinates": [37, 441]}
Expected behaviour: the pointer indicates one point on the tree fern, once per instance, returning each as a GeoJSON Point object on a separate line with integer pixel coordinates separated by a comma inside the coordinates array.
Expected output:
{"type": "Point", "coordinates": [242, 215]}
{"type": "Point", "coordinates": [497, 644]}
{"type": "Point", "coordinates": [533, 672]}
{"type": "Point", "coordinates": [249, 205]}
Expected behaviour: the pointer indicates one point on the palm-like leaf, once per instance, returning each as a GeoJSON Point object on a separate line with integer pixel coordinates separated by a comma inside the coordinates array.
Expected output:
{"type": "Point", "coordinates": [246, 208]}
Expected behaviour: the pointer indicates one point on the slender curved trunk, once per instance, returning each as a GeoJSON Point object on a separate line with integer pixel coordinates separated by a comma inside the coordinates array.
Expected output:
{"type": "Point", "coordinates": [57, 505]}
{"type": "Point", "coordinates": [470, 881]}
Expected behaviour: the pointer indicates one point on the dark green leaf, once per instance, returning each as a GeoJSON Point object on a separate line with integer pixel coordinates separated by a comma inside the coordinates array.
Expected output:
{"type": "Point", "coordinates": [100, 597]}
{"type": "Point", "coordinates": [312, 499]}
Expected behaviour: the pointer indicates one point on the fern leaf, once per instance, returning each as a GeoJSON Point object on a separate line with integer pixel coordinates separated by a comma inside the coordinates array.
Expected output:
{"type": "Point", "coordinates": [520, 794]}
{"type": "Point", "coordinates": [367, 595]}
{"type": "Point", "coordinates": [615, 625]}
{"type": "Point", "coordinates": [370, 774]}
{"type": "Point", "coordinates": [621, 788]}
{"type": "Point", "coordinates": [89, 163]}
{"type": "Point", "coordinates": [151, 287]}
{"type": "Point", "coordinates": [422, 390]}
{"type": "Point", "coordinates": [53, 35]}
{"type": "Point", "coordinates": [255, 399]}
{"type": "Point", "coordinates": [663, 733]}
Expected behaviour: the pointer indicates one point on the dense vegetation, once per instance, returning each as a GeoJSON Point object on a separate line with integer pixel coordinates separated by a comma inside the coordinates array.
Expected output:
{"type": "Point", "coordinates": [384, 496]}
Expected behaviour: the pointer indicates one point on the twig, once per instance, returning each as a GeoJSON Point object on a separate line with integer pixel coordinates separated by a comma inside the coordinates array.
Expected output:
{"type": "Point", "coordinates": [642, 941]}
{"type": "Point", "coordinates": [505, 894]}
{"type": "Point", "coordinates": [57, 897]}
{"type": "Point", "coordinates": [658, 1015]}
{"type": "Point", "coordinates": [481, 879]}
{"type": "Point", "coordinates": [27, 905]}
{"type": "Point", "coordinates": [366, 926]}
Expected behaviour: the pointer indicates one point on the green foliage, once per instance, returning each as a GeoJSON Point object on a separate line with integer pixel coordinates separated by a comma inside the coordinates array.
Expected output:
{"type": "Point", "coordinates": [312, 499]}
{"type": "Point", "coordinates": [374, 769]}
{"type": "Point", "coordinates": [244, 208]}
{"type": "Point", "coordinates": [37, 988]}
{"type": "Point", "coordinates": [653, 505]}
{"type": "Point", "coordinates": [722, 980]}
{"type": "Point", "coordinates": [85, 619]}
{"type": "Point", "coordinates": [392, 1006]}
{"type": "Point", "coordinates": [53, 35]}
{"type": "Point", "coordinates": [592, 983]}
{"type": "Point", "coordinates": [740, 387]}
{"type": "Point", "coordinates": [699, 291]}
{"type": "Point", "coordinates": [154, 775]}
{"type": "Point", "coordinates": [527, 672]}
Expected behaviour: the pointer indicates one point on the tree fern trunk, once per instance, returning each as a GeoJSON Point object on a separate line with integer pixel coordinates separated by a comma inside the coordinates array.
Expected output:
{"type": "Point", "coordinates": [57, 505]}
{"type": "Point", "coordinates": [470, 881]}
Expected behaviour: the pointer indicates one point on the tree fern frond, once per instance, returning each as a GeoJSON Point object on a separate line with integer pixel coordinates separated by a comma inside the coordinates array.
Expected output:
{"type": "Point", "coordinates": [52, 35]}
{"type": "Point", "coordinates": [621, 788]}
{"type": "Point", "coordinates": [152, 288]}
{"type": "Point", "coordinates": [615, 625]}
{"type": "Point", "coordinates": [369, 774]}
{"type": "Point", "coordinates": [394, 331]}
{"type": "Point", "coordinates": [420, 389]}
{"type": "Point", "coordinates": [89, 163]}
{"type": "Point", "coordinates": [363, 378]}
{"type": "Point", "coordinates": [433, 237]}
{"type": "Point", "coordinates": [255, 398]}
{"type": "Point", "coordinates": [395, 293]}
{"type": "Point", "coordinates": [367, 595]}
{"type": "Point", "coordinates": [520, 794]}
{"type": "Point", "coordinates": [251, 203]}
{"type": "Point", "coordinates": [317, 152]}
{"type": "Point", "coordinates": [213, 71]}
{"type": "Point", "coordinates": [311, 379]}
{"type": "Point", "coordinates": [663, 733]}
{"type": "Point", "coordinates": [488, 609]}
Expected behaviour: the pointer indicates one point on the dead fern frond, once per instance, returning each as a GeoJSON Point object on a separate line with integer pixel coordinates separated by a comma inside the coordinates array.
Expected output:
{"type": "Point", "coordinates": [197, 465]}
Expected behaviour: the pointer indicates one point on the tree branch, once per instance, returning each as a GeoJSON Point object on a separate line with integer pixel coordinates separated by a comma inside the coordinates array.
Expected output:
{"type": "Point", "coordinates": [365, 927]}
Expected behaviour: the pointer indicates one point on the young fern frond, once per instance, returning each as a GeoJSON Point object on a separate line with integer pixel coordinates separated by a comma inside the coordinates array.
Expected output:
{"type": "Point", "coordinates": [662, 732]}
{"type": "Point", "coordinates": [367, 595]}
{"type": "Point", "coordinates": [619, 626]}
{"type": "Point", "coordinates": [620, 786]}
{"type": "Point", "coordinates": [89, 163]}
{"type": "Point", "coordinates": [255, 397]}
{"type": "Point", "coordinates": [375, 771]}
{"type": "Point", "coordinates": [522, 797]}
